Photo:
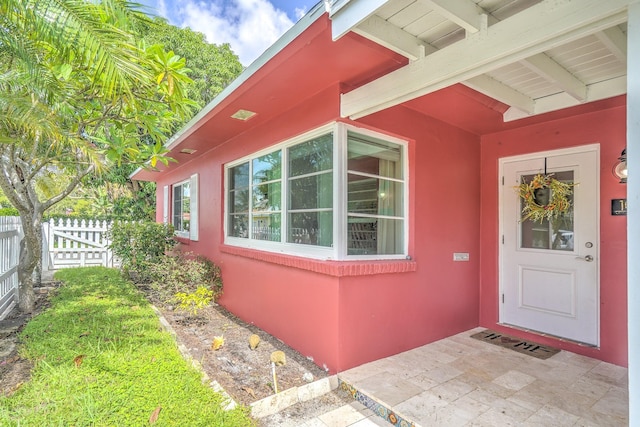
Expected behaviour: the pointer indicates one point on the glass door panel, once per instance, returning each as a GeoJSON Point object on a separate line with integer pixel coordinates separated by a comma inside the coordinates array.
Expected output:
{"type": "Point", "coordinates": [556, 234]}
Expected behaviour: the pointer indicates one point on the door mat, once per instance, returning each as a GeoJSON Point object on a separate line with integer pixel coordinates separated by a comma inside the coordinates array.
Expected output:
{"type": "Point", "coordinates": [521, 346]}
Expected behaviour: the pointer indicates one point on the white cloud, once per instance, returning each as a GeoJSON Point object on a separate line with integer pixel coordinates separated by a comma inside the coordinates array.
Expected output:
{"type": "Point", "coordinates": [300, 12]}
{"type": "Point", "coordinates": [161, 8]}
{"type": "Point", "coordinates": [249, 26]}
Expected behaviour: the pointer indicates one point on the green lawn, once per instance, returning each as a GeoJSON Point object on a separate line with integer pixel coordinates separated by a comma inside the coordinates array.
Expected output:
{"type": "Point", "coordinates": [102, 359]}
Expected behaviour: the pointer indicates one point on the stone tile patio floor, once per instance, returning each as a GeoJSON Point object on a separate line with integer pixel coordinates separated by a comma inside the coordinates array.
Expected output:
{"type": "Point", "coordinates": [460, 381]}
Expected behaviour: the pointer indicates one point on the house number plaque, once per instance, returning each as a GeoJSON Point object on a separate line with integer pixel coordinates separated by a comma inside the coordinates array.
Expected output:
{"type": "Point", "coordinates": [618, 207]}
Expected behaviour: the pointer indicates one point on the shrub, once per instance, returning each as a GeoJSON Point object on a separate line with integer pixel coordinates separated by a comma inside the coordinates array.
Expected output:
{"type": "Point", "coordinates": [193, 302]}
{"type": "Point", "coordinates": [9, 212]}
{"type": "Point", "coordinates": [183, 273]}
{"type": "Point", "coordinates": [143, 247]}
{"type": "Point", "coordinates": [141, 244]}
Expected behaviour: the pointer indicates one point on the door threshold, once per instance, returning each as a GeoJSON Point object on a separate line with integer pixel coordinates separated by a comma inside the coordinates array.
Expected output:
{"type": "Point", "coordinates": [547, 335]}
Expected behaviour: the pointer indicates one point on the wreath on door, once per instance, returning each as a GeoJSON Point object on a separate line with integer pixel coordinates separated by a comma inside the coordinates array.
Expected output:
{"type": "Point", "coordinates": [544, 197]}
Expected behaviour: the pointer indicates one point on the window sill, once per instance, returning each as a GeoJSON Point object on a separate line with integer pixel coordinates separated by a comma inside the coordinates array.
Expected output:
{"type": "Point", "coordinates": [330, 268]}
{"type": "Point", "coordinates": [183, 240]}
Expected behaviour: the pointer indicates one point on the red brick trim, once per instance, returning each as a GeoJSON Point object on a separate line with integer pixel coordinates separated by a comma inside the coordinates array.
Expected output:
{"type": "Point", "coordinates": [330, 268]}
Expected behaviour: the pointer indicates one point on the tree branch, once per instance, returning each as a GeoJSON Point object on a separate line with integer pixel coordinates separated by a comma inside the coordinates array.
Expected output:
{"type": "Point", "coordinates": [7, 185]}
{"type": "Point", "coordinates": [70, 187]}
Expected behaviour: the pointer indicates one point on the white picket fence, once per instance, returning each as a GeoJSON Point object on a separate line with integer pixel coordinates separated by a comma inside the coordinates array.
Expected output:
{"type": "Point", "coordinates": [10, 236]}
{"type": "Point", "coordinates": [66, 243]}
{"type": "Point", "coordinates": [76, 243]}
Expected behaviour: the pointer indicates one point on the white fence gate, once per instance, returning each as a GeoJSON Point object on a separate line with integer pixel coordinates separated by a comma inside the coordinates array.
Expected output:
{"type": "Point", "coordinates": [77, 243]}
{"type": "Point", "coordinates": [10, 236]}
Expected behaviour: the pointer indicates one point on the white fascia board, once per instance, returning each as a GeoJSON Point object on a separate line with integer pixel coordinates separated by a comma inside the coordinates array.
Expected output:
{"type": "Point", "coordinates": [347, 15]}
{"type": "Point", "coordinates": [541, 27]}
{"type": "Point", "coordinates": [298, 28]}
{"type": "Point", "coordinates": [336, 5]}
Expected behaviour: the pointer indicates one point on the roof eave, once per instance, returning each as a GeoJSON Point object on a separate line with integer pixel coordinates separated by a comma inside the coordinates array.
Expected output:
{"type": "Point", "coordinates": [298, 28]}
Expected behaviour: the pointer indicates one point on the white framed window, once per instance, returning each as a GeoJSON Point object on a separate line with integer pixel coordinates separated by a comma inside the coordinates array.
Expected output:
{"type": "Point", "coordinates": [182, 198]}
{"type": "Point", "coordinates": [338, 192]}
{"type": "Point", "coordinates": [181, 208]}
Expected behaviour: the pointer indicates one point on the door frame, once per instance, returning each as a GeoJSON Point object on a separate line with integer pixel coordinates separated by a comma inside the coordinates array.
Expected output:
{"type": "Point", "coordinates": [501, 226]}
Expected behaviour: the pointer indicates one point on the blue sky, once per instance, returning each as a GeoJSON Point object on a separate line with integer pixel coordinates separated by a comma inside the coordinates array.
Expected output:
{"type": "Point", "coordinates": [249, 26]}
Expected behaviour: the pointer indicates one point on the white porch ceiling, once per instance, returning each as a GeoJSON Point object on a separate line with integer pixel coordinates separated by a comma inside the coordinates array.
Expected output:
{"type": "Point", "coordinates": [535, 56]}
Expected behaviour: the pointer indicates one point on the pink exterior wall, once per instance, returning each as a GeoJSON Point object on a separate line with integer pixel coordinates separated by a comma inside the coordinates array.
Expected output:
{"type": "Point", "coordinates": [347, 313]}
{"type": "Point", "coordinates": [281, 300]}
{"type": "Point", "coordinates": [608, 128]}
{"type": "Point", "coordinates": [341, 314]}
{"type": "Point", "coordinates": [386, 314]}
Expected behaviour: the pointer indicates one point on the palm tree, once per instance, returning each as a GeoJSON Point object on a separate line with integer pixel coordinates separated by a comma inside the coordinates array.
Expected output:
{"type": "Point", "coordinates": [78, 92]}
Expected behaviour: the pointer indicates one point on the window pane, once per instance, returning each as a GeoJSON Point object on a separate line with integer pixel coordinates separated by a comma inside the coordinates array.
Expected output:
{"type": "Point", "coordinates": [374, 196]}
{"type": "Point", "coordinates": [267, 227]}
{"type": "Point", "coordinates": [311, 156]}
{"type": "Point", "coordinates": [267, 197]}
{"type": "Point", "coordinates": [239, 176]}
{"type": "Point", "coordinates": [239, 201]}
{"type": "Point", "coordinates": [374, 156]}
{"type": "Point", "coordinates": [177, 217]}
{"type": "Point", "coordinates": [311, 228]}
{"type": "Point", "coordinates": [267, 167]}
{"type": "Point", "coordinates": [181, 207]}
{"type": "Point", "coordinates": [555, 235]}
{"type": "Point", "coordinates": [375, 236]}
{"type": "Point", "coordinates": [186, 213]}
{"type": "Point", "coordinates": [239, 225]}
{"type": "Point", "coordinates": [312, 192]}
{"type": "Point", "coordinates": [177, 207]}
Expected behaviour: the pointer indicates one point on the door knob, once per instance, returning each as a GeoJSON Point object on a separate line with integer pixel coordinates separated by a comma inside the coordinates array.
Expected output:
{"type": "Point", "coordinates": [587, 258]}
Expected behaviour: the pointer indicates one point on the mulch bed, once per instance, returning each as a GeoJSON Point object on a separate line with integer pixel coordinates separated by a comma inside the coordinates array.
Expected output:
{"type": "Point", "coordinates": [244, 373]}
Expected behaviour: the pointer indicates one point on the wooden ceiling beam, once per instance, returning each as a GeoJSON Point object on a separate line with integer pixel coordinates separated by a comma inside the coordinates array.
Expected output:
{"type": "Point", "coordinates": [501, 92]}
{"type": "Point", "coordinates": [616, 41]}
{"type": "Point", "coordinates": [388, 35]}
{"type": "Point", "coordinates": [464, 13]}
{"type": "Point", "coordinates": [546, 67]}
{"type": "Point", "coordinates": [541, 27]}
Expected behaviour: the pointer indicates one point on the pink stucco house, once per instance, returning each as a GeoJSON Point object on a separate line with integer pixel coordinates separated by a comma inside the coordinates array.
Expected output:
{"type": "Point", "coordinates": [357, 183]}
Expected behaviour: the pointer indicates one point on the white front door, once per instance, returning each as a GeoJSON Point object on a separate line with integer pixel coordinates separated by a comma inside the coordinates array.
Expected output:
{"type": "Point", "coordinates": [549, 270]}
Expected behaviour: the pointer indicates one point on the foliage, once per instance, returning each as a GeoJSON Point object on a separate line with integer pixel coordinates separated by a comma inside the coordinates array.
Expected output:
{"type": "Point", "coordinates": [183, 273]}
{"type": "Point", "coordinates": [140, 245]}
{"type": "Point", "coordinates": [115, 194]}
{"type": "Point", "coordinates": [9, 212]}
{"type": "Point", "coordinates": [144, 247]}
{"type": "Point", "coordinates": [78, 94]}
{"type": "Point", "coordinates": [211, 67]}
{"type": "Point", "coordinates": [140, 204]}
{"type": "Point", "coordinates": [193, 302]}
{"type": "Point", "coordinates": [4, 202]}
{"type": "Point", "coordinates": [101, 359]}
{"type": "Point", "coordinates": [559, 201]}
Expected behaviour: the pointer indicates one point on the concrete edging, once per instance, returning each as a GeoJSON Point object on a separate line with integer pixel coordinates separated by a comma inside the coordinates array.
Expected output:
{"type": "Point", "coordinates": [276, 403]}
